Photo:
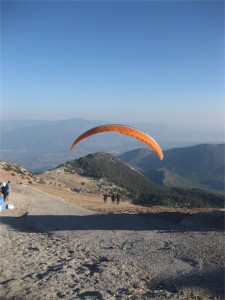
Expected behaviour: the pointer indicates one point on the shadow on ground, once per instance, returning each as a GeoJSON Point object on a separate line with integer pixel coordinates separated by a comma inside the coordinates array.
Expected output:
{"type": "Point", "coordinates": [208, 280]}
{"type": "Point", "coordinates": [167, 221]}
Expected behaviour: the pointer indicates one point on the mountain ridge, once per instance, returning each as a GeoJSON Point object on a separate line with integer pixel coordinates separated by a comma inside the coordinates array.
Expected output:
{"type": "Point", "coordinates": [199, 166]}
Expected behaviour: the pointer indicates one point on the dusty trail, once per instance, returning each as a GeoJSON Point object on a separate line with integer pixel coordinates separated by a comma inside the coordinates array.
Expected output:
{"type": "Point", "coordinates": [54, 249]}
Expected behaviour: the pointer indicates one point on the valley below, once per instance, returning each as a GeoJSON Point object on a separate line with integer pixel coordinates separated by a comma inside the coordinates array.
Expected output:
{"type": "Point", "coordinates": [57, 244]}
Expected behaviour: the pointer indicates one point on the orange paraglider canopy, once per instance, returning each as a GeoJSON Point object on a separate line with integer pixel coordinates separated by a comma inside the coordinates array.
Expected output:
{"type": "Point", "coordinates": [123, 129]}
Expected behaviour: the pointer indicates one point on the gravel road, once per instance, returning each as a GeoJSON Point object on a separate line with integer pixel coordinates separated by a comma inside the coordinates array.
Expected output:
{"type": "Point", "coordinates": [53, 249]}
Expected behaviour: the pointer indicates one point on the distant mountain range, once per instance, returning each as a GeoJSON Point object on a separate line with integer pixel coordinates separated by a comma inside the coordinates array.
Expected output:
{"type": "Point", "coordinates": [39, 145]}
{"type": "Point", "coordinates": [200, 166]}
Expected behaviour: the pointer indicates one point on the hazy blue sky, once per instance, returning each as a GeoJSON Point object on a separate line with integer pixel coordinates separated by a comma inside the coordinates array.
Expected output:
{"type": "Point", "coordinates": [121, 61]}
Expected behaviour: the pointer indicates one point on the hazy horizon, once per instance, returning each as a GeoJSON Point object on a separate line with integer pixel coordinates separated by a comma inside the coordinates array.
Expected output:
{"type": "Point", "coordinates": [104, 121]}
{"type": "Point", "coordinates": [123, 61]}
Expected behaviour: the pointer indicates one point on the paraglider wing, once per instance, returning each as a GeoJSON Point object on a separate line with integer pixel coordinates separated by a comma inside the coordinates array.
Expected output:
{"type": "Point", "coordinates": [123, 129]}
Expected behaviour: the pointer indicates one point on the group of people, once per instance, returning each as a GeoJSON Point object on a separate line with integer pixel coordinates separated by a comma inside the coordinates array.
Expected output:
{"type": "Point", "coordinates": [4, 194]}
{"type": "Point", "coordinates": [115, 198]}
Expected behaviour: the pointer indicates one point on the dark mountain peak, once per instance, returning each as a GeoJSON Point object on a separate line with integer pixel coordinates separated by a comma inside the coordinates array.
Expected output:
{"type": "Point", "coordinates": [99, 156]}
{"type": "Point", "coordinates": [101, 164]}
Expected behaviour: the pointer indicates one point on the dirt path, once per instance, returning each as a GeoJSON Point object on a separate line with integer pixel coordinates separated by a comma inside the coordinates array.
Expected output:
{"type": "Point", "coordinates": [54, 249]}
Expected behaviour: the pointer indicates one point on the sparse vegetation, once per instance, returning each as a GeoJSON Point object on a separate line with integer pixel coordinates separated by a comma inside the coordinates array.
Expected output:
{"type": "Point", "coordinates": [15, 169]}
{"type": "Point", "coordinates": [11, 167]}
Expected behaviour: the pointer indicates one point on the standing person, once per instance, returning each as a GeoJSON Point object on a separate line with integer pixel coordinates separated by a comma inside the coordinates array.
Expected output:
{"type": "Point", "coordinates": [4, 190]}
{"type": "Point", "coordinates": [105, 198]}
{"type": "Point", "coordinates": [113, 198]}
{"type": "Point", "coordinates": [7, 189]}
{"type": "Point", "coordinates": [117, 198]}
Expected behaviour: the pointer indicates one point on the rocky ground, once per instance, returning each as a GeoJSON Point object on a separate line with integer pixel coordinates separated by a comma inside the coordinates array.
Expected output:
{"type": "Point", "coordinates": [58, 246]}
